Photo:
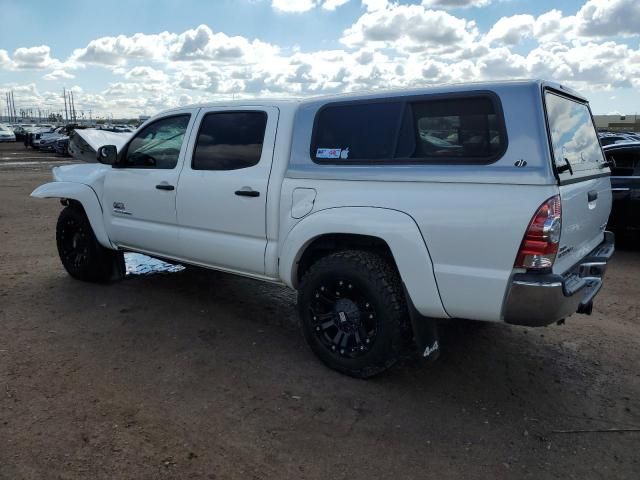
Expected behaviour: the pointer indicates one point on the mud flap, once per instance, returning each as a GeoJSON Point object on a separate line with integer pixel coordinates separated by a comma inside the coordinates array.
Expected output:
{"type": "Point", "coordinates": [425, 333]}
{"type": "Point", "coordinates": [118, 267]}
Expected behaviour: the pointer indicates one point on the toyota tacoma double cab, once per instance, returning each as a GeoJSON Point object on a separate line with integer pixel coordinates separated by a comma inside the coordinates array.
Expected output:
{"type": "Point", "coordinates": [386, 211]}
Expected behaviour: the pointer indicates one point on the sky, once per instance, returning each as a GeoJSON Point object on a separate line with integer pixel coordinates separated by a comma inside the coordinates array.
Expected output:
{"type": "Point", "coordinates": [128, 58]}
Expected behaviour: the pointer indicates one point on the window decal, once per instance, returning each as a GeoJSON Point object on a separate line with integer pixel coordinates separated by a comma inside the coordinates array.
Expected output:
{"type": "Point", "coordinates": [328, 152]}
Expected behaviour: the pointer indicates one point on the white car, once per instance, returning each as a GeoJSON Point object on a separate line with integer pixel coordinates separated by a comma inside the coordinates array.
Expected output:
{"type": "Point", "coordinates": [380, 229]}
{"type": "Point", "coordinates": [6, 134]}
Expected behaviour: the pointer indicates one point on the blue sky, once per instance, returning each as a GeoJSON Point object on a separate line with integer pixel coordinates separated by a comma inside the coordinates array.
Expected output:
{"type": "Point", "coordinates": [222, 48]}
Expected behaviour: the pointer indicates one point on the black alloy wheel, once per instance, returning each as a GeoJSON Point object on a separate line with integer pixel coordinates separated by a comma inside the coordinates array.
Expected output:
{"type": "Point", "coordinates": [344, 318]}
{"type": "Point", "coordinates": [353, 312]}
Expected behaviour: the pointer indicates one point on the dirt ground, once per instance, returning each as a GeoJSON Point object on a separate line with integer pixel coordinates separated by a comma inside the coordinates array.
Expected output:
{"type": "Point", "coordinates": [204, 375]}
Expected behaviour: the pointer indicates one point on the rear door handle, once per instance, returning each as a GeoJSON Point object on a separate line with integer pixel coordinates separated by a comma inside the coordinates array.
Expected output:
{"type": "Point", "coordinates": [165, 186]}
{"type": "Point", "coordinates": [592, 196]}
{"type": "Point", "coordinates": [247, 193]}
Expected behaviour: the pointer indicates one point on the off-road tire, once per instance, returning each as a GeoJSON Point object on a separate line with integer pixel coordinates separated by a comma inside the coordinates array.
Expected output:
{"type": "Point", "coordinates": [81, 254]}
{"type": "Point", "coordinates": [378, 280]}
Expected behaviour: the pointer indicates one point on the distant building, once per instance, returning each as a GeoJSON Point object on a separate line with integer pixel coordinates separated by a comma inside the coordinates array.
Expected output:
{"type": "Point", "coordinates": [629, 123]}
{"type": "Point", "coordinates": [143, 118]}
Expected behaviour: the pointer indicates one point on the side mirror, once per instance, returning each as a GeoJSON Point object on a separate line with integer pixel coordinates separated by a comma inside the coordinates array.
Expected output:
{"type": "Point", "coordinates": [107, 154]}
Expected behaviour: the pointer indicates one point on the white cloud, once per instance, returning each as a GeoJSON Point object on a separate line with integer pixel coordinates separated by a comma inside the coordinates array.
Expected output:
{"type": "Point", "coordinates": [4, 58]}
{"type": "Point", "coordinates": [58, 75]}
{"type": "Point", "coordinates": [294, 6]}
{"type": "Point", "coordinates": [373, 5]}
{"type": "Point", "coordinates": [511, 30]}
{"type": "Point", "coordinates": [33, 58]}
{"type": "Point", "coordinates": [411, 28]}
{"type": "Point", "coordinates": [115, 51]}
{"type": "Point", "coordinates": [455, 3]}
{"type": "Point", "coordinates": [333, 4]}
{"type": "Point", "coordinates": [202, 43]}
{"type": "Point", "coordinates": [146, 74]}
{"type": "Point", "coordinates": [609, 18]}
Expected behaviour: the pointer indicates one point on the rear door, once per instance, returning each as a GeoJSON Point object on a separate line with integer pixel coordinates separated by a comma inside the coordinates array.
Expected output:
{"type": "Point", "coordinates": [585, 187]}
{"type": "Point", "coordinates": [222, 191]}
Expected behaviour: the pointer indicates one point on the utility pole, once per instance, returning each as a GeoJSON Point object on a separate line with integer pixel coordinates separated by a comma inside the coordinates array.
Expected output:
{"type": "Point", "coordinates": [13, 101]}
{"type": "Point", "coordinates": [64, 95]}
{"type": "Point", "coordinates": [73, 103]}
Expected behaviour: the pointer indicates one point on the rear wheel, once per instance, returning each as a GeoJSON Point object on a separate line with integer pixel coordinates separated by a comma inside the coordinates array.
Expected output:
{"type": "Point", "coordinates": [81, 254]}
{"type": "Point", "coordinates": [353, 312]}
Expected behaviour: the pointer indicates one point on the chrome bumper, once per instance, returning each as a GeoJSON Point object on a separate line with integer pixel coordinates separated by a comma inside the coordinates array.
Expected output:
{"type": "Point", "coordinates": [536, 299]}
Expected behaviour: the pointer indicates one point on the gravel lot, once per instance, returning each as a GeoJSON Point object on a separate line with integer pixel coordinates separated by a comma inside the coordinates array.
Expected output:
{"type": "Point", "coordinates": [199, 374]}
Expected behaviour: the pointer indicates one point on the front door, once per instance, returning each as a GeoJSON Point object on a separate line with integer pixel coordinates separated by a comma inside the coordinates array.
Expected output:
{"type": "Point", "coordinates": [139, 198]}
{"type": "Point", "coordinates": [222, 193]}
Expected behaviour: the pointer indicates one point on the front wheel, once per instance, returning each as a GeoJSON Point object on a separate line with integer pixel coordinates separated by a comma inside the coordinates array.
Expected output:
{"type": "Point", "coordinates": [353, 312]}
{"type": "Point", "coordinates": [81, 254]}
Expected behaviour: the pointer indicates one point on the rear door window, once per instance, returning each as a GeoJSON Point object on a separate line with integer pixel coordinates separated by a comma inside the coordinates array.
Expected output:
{"type": "Point", "coordinates": [574, 140]}
{"type": "Point", "coordinates": [229, 141]}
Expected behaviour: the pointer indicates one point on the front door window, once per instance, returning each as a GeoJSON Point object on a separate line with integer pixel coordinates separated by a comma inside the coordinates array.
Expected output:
{"type": "Point", "coordinates": [157, 145]}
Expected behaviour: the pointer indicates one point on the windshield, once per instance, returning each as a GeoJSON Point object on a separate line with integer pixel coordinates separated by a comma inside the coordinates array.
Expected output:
{"type": "Point", "coordinates": [573, 136]}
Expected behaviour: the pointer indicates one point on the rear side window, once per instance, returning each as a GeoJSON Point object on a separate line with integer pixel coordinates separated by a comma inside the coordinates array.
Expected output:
{"type": "Point", "coordinates": [453, 129]}
{"type": "Point", "coordinates": [467, 129]}
{"type": "Point", "coordinates": [574, 140]}
{"type": "Point", "coordinates": [229, 141]}
{"type": "Point", "coordinates": [364, 131]}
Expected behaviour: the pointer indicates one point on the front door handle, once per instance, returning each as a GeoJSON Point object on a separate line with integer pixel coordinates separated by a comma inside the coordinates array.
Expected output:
{"type": "Point", "coordinates": [165, 186]}
{"type": "Point", "coordinates": [247, 193]}
{"type": "Point", "coordinates": [592, 196]}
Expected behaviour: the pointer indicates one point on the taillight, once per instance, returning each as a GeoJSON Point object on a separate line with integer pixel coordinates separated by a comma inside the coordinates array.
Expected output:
{"type": "Point", "coordinates": [540, 243]}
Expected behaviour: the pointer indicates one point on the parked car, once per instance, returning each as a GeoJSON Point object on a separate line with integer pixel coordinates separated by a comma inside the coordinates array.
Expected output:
{"type": "Point", "coordinates": [625, 185]}
{"type": "Point", "coordinates": [19, 131]}
{"type": "Point", "coordinates": [62, 146]}
{"type": "Point", "coordinates": [610, 138]}
{"type": "Point", "coordinates": [47, 140]}
{"type": "Point", "coordinates": [343, 199]}
{"type": "Point", "coordinates": [33, 135]}
{"type": "Point", "coordinates": [6, 135]}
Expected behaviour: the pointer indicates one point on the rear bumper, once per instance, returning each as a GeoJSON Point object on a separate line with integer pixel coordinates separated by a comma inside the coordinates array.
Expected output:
{"type": "Point", "coordinates": [536, 300]}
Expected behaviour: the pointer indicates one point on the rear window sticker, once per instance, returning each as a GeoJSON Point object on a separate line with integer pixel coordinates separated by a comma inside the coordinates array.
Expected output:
{"type": "Point", "coordinates": [328, 153]}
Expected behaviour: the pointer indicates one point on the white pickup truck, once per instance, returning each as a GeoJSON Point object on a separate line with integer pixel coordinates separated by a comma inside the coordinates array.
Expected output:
{"type": "Point", "coordinates": [386, 211]}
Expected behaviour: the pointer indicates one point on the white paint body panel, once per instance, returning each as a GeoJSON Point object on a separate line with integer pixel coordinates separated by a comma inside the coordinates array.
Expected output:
{"type": "Point", "coordinates": [397, 228]}
{"type": "Point", "coordinates": [470, 235]}
{"type": "Point", "coordinates": [148, 221]}
{"type": "Point", "coordinates": [218, 227]}
{"type": "Point", "coordinates": [83, 194]}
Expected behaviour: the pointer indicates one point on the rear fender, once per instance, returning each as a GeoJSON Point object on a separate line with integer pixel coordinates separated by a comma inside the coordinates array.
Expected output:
{"type": "Point", "coordinates": [83, 194]}
{"type": "Point", "coordinates": [396, 228]}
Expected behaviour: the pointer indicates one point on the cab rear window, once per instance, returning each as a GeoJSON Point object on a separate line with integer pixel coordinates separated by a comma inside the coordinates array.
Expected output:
{"type": "Point", "coordinates": [574, 141]}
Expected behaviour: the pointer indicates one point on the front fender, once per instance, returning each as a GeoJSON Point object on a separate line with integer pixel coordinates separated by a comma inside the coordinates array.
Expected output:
{"type": "Point", "coordinates": [83, 194]}
{"type": "Point", "coordinates": [396, 228]}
